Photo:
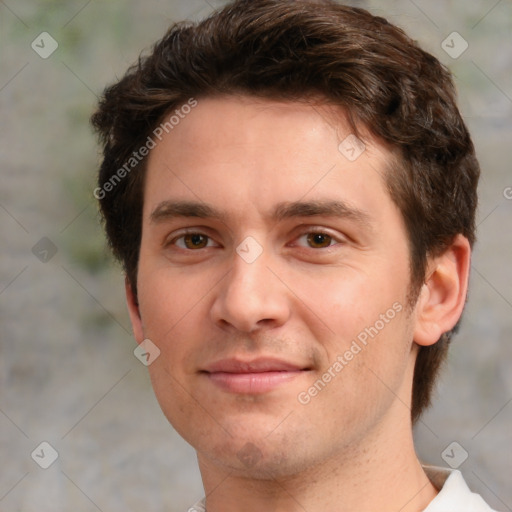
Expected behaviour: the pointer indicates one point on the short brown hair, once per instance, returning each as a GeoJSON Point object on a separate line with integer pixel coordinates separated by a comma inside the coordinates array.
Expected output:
{"type": "Point", "coordinates": [292, 50]}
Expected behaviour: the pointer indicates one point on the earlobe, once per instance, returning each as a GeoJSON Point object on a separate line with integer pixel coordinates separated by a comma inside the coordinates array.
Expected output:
{"type": "Point", "coordinates": [133, 310]}
{"type": "Point", "coordinates": [443, 294]}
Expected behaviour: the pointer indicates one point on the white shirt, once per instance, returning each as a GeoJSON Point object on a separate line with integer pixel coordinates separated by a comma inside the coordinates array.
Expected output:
{"type": "Point", "coordinates": [454, 495]}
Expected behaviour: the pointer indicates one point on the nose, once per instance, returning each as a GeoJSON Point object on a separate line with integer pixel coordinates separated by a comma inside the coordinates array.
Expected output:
{"type": "Point", "coordinates": [250, 297]}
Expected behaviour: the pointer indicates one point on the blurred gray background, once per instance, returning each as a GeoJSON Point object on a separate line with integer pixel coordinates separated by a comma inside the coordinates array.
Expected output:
{"type": "Point", "coordinates": [68, 375]}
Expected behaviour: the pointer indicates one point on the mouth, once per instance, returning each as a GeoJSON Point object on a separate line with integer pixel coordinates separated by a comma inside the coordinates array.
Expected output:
{"type": "Point", "coordinates": [252, 377]}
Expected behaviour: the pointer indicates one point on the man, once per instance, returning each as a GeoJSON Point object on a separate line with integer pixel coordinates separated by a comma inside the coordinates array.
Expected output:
{"type": "Point", "coordinates": [291, 190]}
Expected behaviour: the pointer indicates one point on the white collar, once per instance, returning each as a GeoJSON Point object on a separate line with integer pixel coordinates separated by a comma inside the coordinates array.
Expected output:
{"type": "Point", "coordinates": [454, 494]}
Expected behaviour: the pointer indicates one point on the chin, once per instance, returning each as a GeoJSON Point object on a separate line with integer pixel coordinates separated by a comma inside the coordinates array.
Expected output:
{"type": "Point", "coordinates": [260, 456]}
{"type": "Point", "coordinates": [254, 461]}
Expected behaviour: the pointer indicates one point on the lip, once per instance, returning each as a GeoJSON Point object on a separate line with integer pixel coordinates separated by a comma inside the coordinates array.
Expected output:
{"type": "Point", "coordinates": [252, 377]}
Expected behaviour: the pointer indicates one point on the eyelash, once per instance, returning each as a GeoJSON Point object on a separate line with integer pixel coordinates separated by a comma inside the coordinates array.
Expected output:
{"type": "Point", "coordinates": [190, 233]}
{"type": "Point", "coordinates": [312, 231]}
{"type": "Point", "coordinates": [333, 239]}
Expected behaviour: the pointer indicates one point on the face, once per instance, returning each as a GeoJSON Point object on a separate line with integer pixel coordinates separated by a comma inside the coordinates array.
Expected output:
{"type": "Point", "coordinates": [273, 276]}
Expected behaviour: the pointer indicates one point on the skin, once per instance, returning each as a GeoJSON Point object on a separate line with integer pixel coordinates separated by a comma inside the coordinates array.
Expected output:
{"type": "Point", "coordinates": [303, 300]}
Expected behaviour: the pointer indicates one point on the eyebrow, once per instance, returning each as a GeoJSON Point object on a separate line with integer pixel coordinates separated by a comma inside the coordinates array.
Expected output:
{"type": "Point", "coordinates": [323, 208]}
{"type": "Point", "coordinates": [168, 210]}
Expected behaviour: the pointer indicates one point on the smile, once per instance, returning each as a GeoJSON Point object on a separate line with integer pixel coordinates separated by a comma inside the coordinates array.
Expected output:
{"type": "Point", "coordinates": [252, 377]}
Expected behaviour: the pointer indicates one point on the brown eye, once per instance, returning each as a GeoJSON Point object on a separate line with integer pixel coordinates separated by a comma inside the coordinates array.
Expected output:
{"type": "Point", "coordinates": [195, 241]}
{"type": "Point", "coordinates": [318, 240]}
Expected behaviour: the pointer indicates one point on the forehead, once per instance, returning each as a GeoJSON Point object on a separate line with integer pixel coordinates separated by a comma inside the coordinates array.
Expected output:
{"type": "Point", "coordinates": [241, 152]}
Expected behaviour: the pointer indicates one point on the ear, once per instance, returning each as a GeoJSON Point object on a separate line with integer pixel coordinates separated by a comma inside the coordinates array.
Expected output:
{"type": "Point", "coordinates": [133, 309]}
{"type": "Point", "coordinates": [443, 295]}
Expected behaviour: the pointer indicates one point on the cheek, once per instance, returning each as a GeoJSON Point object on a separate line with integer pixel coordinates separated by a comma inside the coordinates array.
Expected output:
{"type": "Point", "coordinates": [166, 298]}
{"type": "Point", "coordinates": [176, 397]}
{"type": "Point", "coordinates": [348, 301]}
{"type": "Point", "coordinates": [365, 369]}
{"type": "Point", "coordinates": [173, 319]}
{"type": "Point", "coordinates": [369, 329]}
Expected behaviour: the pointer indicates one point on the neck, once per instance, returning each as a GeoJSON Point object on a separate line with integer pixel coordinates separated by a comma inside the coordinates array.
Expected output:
{"type": "Point", "coordinates": [382, 473]}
